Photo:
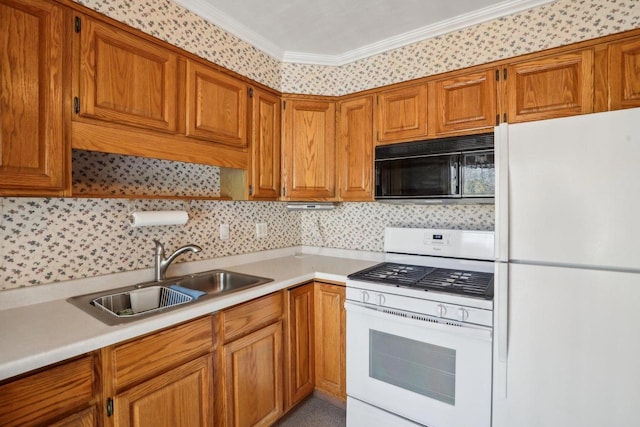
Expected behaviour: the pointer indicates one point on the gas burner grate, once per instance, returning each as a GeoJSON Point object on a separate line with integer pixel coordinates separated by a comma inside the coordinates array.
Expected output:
{"type": "Point", "coordinates": [461, 282]}
{"type": "Point", "coordinates": [393, 274]}
{"type": "Point", "coordinates": [458, 282]}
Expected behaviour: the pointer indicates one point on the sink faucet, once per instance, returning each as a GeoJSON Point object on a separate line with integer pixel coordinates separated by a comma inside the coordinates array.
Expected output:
{"type": "Point", "coordinates": [162, 263]}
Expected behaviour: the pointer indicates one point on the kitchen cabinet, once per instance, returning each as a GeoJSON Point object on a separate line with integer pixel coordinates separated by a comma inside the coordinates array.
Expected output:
{"type": "Point", "coordinates": [550, 86]}
{"type": "Point", "coordinates": [251, 362]}
{"type": "Point", "coordinates": [162, 379]}
{"type": "Point", "coordinates": [330, 339]}
{"type": "Point", "coordinates": [401, 114]}
{"type": "Point", "coordinates": [308, 149]}
{"type": "Point", "coordinates": [300, 362]}
{"type": "Point", "coordinates": [216, 106]}
{"type": "Point", "coordinates": [125, 79]}
{"type": "Point", "coordinates": [354, 149]}
{"type": "Point", "coordinates": [34, 150]}
{"type": "Point", "coordinates": [265, 146]}
{"type": "Point", "coordinates": [60, 395]}
{"type": "Point", "coordinates": [624, 74]}
{"type": "Point", "coordinates": [464, 101]}
{"type": "Point", "coordinates": [179, 397]}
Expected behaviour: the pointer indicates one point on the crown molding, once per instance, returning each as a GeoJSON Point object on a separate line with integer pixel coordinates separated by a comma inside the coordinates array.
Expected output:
{"type": "Point", "coordinates": [229, 24]}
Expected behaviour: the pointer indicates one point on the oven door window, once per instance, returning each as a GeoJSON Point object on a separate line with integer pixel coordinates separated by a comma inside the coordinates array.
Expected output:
{"type": "Point", "coordinates": [428, 176]}
{"type": "Point", "coordinates": [420, 367]}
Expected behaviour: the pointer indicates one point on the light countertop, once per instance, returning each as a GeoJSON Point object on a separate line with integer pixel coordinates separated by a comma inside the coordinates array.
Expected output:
{"type": "Point", "coordinates": [53, 330]}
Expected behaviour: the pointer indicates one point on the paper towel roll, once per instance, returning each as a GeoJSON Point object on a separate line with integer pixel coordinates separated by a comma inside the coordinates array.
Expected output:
{"type": "Point", "coordinates": [151, 218]}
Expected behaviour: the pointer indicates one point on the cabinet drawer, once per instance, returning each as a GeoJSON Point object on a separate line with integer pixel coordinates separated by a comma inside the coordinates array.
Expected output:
{"type": "Point", "coordinates": [249, 316]}
{"type": "Point", "coordinates": [145, 357]}
{"type": "Point", "coordinates": [47, 394]}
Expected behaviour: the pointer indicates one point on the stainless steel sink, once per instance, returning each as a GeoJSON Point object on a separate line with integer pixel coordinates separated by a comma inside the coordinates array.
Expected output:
{"type": "Point", "coordinates": [139, 301]}
{"type": "Point", "coordinates": [220, 281]}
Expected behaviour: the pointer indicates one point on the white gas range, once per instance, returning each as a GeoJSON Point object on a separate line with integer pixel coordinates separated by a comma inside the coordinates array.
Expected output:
{"type": "Point", "coordinates": [419, 331]}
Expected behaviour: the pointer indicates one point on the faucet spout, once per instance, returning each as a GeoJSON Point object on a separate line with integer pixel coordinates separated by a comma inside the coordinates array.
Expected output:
{"type": "Point", "coordinates": [162, 263]}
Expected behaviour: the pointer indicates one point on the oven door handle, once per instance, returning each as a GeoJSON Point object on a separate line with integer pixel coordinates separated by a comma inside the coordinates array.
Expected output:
{"type": "Point", "coordinates": [419, 320]}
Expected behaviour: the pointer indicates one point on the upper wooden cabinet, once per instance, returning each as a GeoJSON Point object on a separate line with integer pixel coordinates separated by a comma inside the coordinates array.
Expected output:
{"type": "Point", "coordinates": [550, 87]}
{"type": "Point", "coordinates": [265, 146]}
{"type": "Point", "coordinates": [126, 79]}
{"type": "Point", "coordinates": [401, 114]}
{"type": "Point", "coordinates": [216, 106]}
{"type": "Point", "coordinates": [354, 149]}
{"type": "Point", "coordinates": [624, 74]}
{"type": "Point", "coordinates": [34, 152]}
{"type": "Point", "coordinates": [464, 101]}
{"type": "Point", "coordinates": [308, 150]}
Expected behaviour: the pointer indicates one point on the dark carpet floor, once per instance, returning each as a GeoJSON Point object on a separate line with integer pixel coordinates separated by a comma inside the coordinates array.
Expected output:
{"type": "Point", "coordinates": [315, 412]}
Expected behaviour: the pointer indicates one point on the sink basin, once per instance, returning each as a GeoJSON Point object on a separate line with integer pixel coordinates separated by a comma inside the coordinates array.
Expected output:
{"type": "Point", "coordinates": [220, 281]}
{"type": "Point", "coordinates": [139, 301]}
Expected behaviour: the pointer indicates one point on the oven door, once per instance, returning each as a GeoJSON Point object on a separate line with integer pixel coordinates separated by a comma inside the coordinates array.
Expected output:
{"type": "Point", "coordinates": [436, 374]}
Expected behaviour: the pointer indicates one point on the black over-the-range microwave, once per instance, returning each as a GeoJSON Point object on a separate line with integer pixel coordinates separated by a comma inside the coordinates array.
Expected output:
{"type": "Point", "coordinates": [450, 169]}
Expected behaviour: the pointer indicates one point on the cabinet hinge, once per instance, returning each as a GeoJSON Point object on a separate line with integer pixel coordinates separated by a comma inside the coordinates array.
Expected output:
{"type": "Point", "coordinates": [284, 105]}
{"type": "Point", "coordinates": [76, 105]}
{"type": "Point", "coordinates": [250, 92]}
{"type": "Point", "coordinates": [504, 74]}
{"type": "Point", "coordinates": [284, 191]}
{"type": "Point", "coordinates": [504, 118]}
{"type": "Point", "coordinates": [109, 406]}
{"type": "Point", "coordinates": [497, 119]}
{"type": "Point", "coordinates": [78, 24]}
{"type": "Point", "coordinates": [251, 190]}
{"type": "Point", "coordinates": [497, 75]}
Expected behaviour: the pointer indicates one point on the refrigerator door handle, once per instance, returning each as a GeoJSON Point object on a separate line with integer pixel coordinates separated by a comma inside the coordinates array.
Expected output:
{"type": "Point", "coordinates": [501, 250]}
{"type": "Point", "coordinates": [502, 325]}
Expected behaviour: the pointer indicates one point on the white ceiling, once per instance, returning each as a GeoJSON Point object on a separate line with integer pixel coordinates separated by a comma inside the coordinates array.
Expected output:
{"type": "Point", "coordinates": [335, 32]}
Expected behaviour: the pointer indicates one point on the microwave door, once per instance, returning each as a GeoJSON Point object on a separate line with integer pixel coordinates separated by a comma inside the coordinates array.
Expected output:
{"type": "Point", "coordinates": [418, 177]}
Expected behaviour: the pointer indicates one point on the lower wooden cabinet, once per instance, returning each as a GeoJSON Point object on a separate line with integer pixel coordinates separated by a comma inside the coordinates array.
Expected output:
{"type": "Point", "coordinates": [300, 360]}
{"type": "Point", "coordinates": [252, 378]}
{"type": "Point", "coordinates": [330, 339]}
{"type": "Point", "coordinates": [61, 395]}
{"type": "Point", "coordinates": [178, 398]}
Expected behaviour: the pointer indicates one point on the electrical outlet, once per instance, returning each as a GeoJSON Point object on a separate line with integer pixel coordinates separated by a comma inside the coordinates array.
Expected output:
{"type": "Point", "coordinates": [261, 230]}
{"type": "Point", "coordinates": [224, 231]}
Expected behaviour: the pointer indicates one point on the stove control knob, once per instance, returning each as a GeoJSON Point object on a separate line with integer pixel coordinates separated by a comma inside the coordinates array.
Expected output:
{"type": "Point", "coordinates": [365, 296]}
{"type": "Point", "coordinates": [442, 310]}
{"type": "Point", "coordinates": [463, 314]}
{"type": "Point", "coordinates": [381, 299]}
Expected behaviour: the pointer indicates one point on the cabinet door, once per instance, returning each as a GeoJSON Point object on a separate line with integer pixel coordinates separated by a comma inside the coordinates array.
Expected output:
{"type": "Point", "coordinates": [47, 395]}
{"type": "Point", "coordinates": [330, 336]}
{"type": "Point", "coordinates": [216, 106]}
{"type": "Point", "coordinates": [624, 74]}
{"type": "Point", "coordinates": [252, 378]}
{"type": "Point", "coordinates": [354, 148]}
{"type": "Point", "coordinates": [465, 102]}
{"type": "Point", "coordinates": [126, 79]}
{"type": "Point", "coordinates": [32, 141]}
{"type": "Point", "coordinates": [401, 114]}
{"type": "Point", "coordinates": [550, 87]}
{"type": "Point", "coordinates": [178, 398]}
{"type": "Point", "coordinates": [86, 418]}
{"type": "Point", "coordinates": [300, 339]}
{"type": "Point", "coordinates": [308, 148]}
{"type": "Point", "coordinates": [265, 146]}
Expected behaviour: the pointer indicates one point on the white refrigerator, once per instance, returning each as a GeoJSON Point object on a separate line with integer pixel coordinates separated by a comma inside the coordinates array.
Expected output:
{"type": "Point", "coordinates": [567, 287]}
